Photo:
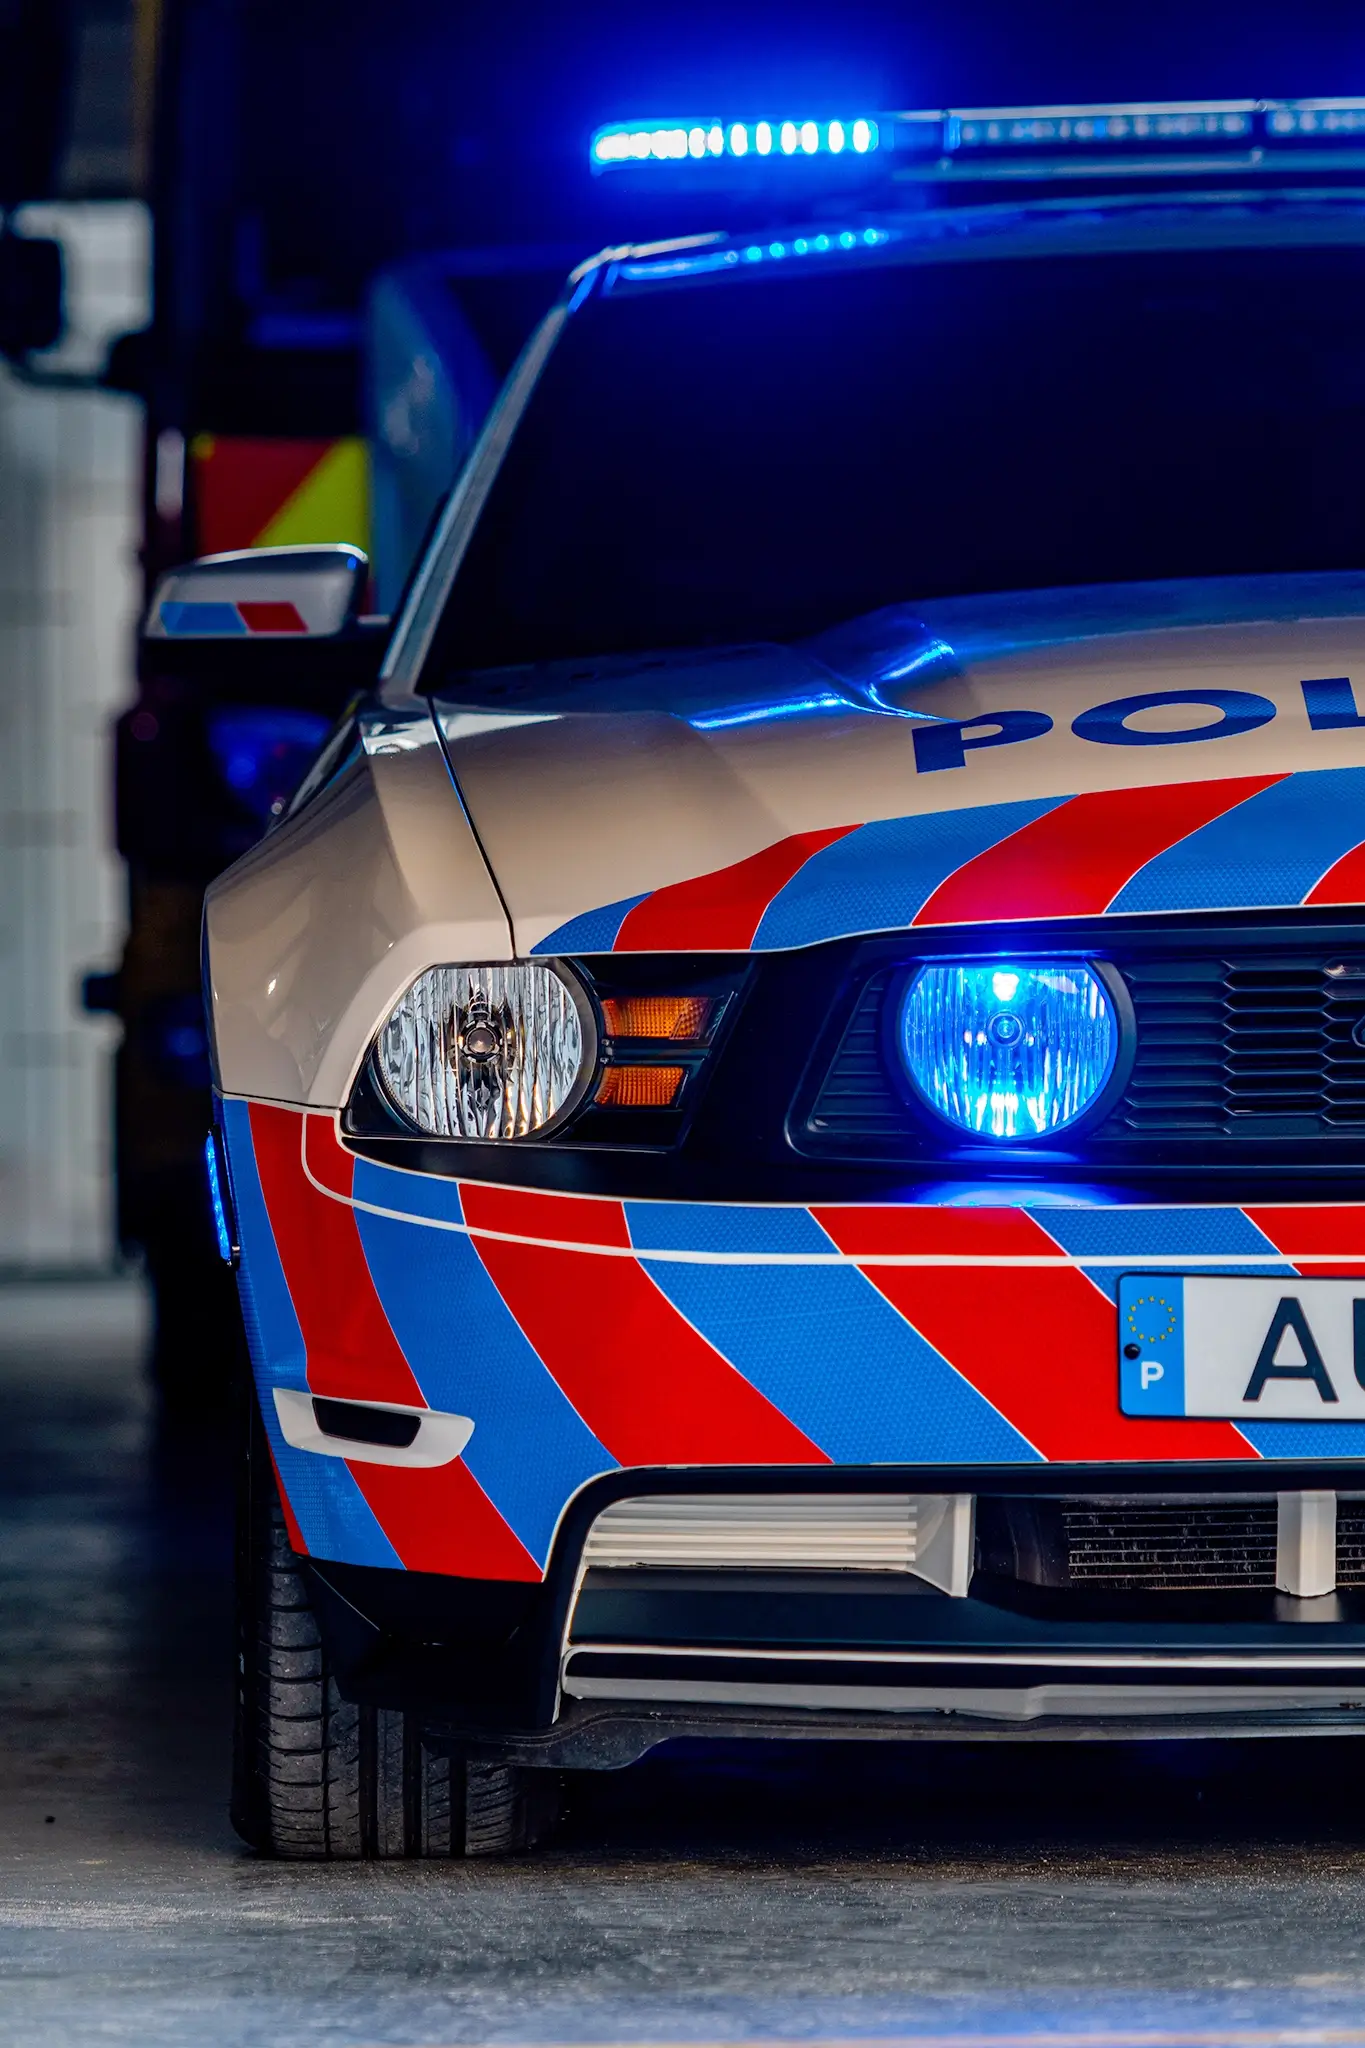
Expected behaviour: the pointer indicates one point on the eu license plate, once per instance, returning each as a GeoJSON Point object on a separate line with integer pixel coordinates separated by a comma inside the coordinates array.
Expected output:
{"type": "Point", "coordinates": [1223, 1345]}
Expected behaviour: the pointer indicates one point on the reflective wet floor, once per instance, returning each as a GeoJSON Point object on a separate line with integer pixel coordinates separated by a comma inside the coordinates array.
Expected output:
{"type": "Point", "coordinates": [1085, 1894]}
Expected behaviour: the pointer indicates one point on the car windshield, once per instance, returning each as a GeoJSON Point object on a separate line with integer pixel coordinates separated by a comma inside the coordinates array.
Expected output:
{"type": "Point", "coordinates": [761, 457]}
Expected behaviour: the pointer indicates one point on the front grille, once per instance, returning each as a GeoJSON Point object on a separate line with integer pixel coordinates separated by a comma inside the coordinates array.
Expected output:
{"type": "Point", "coordinates": [1250, 1046]}
{"type": "Point", "coordinates": [1350, 1541]}
{"type": "Point", "coordinates": [1170, 1546]}
{"type": "Point", "coordinates": [810, 1532]}
{"type": "Point", "coordinates": [1261, 1045]}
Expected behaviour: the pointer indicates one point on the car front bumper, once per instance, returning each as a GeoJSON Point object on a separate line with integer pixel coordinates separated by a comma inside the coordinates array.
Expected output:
{"type": "Point", "coordinates": [580, 1350]}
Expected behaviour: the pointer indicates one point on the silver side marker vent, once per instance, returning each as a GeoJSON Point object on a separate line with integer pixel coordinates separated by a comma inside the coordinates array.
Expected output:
{"type": "Point", "coordinates": [370, 1432]}
{"type": "Point", "coordinates": [929, 1535]}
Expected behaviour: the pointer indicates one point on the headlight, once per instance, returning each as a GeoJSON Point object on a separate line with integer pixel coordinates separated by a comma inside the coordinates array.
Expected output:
{"type": "Point", "coordinates": [487, 1052]}
{"type": "Point", "coordinates": [1009, 1051]}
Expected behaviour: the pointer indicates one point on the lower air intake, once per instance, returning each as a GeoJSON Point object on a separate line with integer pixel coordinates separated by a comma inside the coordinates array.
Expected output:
{"type": "Point", "coordinates": [929, 1535]}
{"type": "Point", "coordinates": [1170, 1546]}
{"type": "Point", "coordinates": [1350, 1540]}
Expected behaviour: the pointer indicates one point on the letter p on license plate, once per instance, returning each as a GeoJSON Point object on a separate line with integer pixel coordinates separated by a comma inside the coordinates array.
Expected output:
{"type": "Point", "coordinates": [1244, 1349]}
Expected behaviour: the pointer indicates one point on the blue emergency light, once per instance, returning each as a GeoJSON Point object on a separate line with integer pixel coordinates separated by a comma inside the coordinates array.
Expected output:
{"type": "Point", "coordinates": [706, 141]}
{"type": "Point", "coordinates": [984, 141]}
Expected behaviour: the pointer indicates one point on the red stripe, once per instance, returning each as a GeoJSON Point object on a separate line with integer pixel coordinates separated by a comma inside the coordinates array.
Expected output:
{"type": "Point", "coordinates": [1330, 1232]}
{"type": "Point", "coordinates": [1073, 861]}
{"type": "Point", "coordinates": [266, 615]}
{"type": "Point", "coordinates": [1040, 1342]}
{"type": "Point", "coordinates": [720, 911]}
{"type": "Point", "coordinates": [441, 1520]}
{"type": "Point", "coordinates": [438, 1519]}
{"type": "Point", "coordinates": [1344, 881]}
{"type": "Point", "coordinates": [563, 1219]}
{"type": "Point", "coordinates": [328, 1160]}
{"type": "Point", "coordinates": [353, 1354]}
{"type": "Point", "coordinates": [983, 1233]}
{"type": "Point", "coordinates": [647, 1384]}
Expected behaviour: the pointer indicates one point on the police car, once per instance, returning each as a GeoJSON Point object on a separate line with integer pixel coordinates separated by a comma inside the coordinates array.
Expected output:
{"type": "Point", "coordinates": [792, 1083]}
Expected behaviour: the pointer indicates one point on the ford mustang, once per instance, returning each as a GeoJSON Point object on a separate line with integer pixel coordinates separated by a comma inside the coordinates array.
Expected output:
{"type": "Point", "coordinates": [791, 1085]}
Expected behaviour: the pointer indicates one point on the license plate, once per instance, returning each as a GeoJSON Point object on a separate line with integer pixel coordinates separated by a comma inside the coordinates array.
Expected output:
{"type": "Point", "coordinates": [1244, 1349]}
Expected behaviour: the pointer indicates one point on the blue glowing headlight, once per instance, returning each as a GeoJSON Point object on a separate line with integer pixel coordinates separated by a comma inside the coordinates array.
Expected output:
{"type": "Point", "coordinates": [1005, 1050]}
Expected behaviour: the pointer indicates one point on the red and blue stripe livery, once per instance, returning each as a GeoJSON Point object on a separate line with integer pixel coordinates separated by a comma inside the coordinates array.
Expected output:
{"type": "Point", "coordinates": [583, 1334]}
{"type": "Point", "coordinates": [1241, 842]}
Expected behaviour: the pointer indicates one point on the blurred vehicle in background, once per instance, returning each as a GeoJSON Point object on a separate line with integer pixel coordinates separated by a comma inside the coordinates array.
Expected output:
{"type": "Point", "coordinates": [291, 399]}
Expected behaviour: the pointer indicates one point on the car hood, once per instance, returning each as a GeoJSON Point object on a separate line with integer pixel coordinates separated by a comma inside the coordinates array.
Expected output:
{"type": "Point", "coordinates": [1127, 749]}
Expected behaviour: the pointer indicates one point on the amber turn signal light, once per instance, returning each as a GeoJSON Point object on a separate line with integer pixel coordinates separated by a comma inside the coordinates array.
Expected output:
{"type": "Point", "coordinates": [681, 1018]}
{"type": "Point", "coordinates": [639, 1087]}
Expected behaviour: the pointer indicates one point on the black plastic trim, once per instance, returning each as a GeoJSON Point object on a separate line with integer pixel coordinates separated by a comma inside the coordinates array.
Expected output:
{"type": "Point", "coordinates": [477, 1653]}
{"type": "Point", "coordinates": [662, 1666]}
{"type": "Point", "coordinates": [357, 1422]}
{"type": "Point", "coordinates": [743, 1129]}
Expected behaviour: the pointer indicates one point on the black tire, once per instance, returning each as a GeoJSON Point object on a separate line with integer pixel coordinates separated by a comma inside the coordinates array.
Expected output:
{"type": "Point", "coordinates": [318, 1778]}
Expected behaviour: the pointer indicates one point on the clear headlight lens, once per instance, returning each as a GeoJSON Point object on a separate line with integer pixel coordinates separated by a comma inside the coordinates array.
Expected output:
{"type": "Point", "coordinates": [486, 1052]}
{"type": "Point", "coordinates": [1009, 1051]}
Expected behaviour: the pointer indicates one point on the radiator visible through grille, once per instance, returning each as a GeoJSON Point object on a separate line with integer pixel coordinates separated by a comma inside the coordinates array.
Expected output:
{"type": "Point", "coordinates": [1350, 1540]}
{"type": "Point", "coordinates": [1170, 1546]}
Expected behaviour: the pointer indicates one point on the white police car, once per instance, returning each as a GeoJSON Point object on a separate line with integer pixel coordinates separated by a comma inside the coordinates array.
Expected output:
{"type": "Point", "coordinates": [793, 1083]}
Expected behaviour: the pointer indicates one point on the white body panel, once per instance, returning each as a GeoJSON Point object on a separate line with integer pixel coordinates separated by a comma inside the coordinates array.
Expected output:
{"type": "Point", "coordinates": [316, 932]}
{"type": "Point", "coordinates": [582, 809]}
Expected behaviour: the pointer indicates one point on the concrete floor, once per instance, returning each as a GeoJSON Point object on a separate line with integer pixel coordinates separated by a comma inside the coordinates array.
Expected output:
{"type": "Point", "coordinates": [1078, 1895]}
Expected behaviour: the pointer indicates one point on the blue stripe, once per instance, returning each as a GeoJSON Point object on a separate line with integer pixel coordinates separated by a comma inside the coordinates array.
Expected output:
{"type": "Point", "coordinates": [1149, 1235]}
{"type": "Point", "coordinates": [1305, 1439]}
{"type": "Point", "coordinates": [1146, 1237]}
{"type": "Point", "coordinates": [530, 1450]}
{"type": "Point", "coordinates": [593, 932]}
{"type": "Point", "coordinates": [190, 619]}
{"type": "Point", "coordinates": [825, 1347]}
{"type": "Point", "coordinates": [882, 875]}
{"type": "Point", "coordinates": [333, 1515]}
{"type": "Point", "coordinates": [412, 1194]}
{"type": "Point", "coordinates": [721, 1227]}
{"type": "Point", "coordinates": [1268, 851]}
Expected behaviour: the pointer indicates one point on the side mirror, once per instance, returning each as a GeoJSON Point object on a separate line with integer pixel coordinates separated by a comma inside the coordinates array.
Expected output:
{"type": "Point", "coordinates": [267, 623]}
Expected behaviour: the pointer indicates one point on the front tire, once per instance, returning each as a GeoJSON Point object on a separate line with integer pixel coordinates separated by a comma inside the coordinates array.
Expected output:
{"type": "Point", "coordinates": [317, 1777]}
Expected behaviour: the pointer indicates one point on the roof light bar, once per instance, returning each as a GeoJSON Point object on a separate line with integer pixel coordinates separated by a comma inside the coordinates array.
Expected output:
{"type": "Point", "coordinates": [713, 139]}
{"type": "Point", "coordinates": [1317, 117]}
{"type": "Point", "coordinates": [1051, 127]}
{"type": "Point", "coordinates": [962, 135]}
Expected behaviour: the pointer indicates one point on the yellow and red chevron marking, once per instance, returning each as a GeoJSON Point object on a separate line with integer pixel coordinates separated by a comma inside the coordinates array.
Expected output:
{"type": "Point", "coordinates": [254, 492]}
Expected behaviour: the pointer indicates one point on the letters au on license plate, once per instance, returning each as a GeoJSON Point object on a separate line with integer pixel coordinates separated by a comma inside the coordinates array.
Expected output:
{"type": "Point", "coordinates": [1246, 1349]}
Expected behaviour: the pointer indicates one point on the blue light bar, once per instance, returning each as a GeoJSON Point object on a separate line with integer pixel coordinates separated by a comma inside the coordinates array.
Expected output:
{"type": "Point", "coordinates": [1317, 118]}
{"type": "Point", "coordinates": [1054, 127]}
{"type": "Point", "coordinates": [963, 140]}
{"type": "Point", "coordinates": [715, 140]}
